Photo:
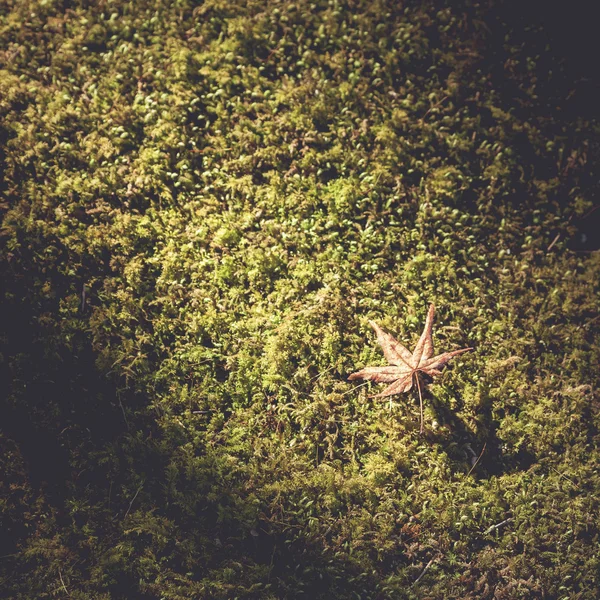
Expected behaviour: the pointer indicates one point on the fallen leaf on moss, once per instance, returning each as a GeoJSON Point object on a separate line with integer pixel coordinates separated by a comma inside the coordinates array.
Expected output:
{"type": "Point", "coordinates": [405, 366]}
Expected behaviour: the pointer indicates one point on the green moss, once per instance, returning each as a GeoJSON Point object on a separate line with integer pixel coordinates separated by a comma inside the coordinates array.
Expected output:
{"type": "Point", "coordinates": [202, 208]}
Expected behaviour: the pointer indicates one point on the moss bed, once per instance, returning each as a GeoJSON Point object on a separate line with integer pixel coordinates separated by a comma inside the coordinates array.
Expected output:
{"type": "Point", "coordinates": [203, 204]}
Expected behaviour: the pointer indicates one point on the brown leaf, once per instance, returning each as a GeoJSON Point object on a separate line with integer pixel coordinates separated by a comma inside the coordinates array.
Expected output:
{"type": "Point", "coordinates": [405, 366]}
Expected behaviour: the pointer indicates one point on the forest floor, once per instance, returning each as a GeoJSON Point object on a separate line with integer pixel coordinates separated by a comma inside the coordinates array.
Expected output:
{"type": "Point", "coordinates": [203, 205]}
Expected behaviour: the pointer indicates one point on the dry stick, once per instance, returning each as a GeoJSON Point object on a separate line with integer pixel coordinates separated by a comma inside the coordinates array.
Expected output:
{"type": "Point", "coordinates": [587, 323]}
{"type": "Point", "coordinates": [567, 478]}
{"type": "Point", "coordinates": [440, 102]}
{"type": "Point", "coordinates": [123, 410]}
{"type": "Point", "coordinates": [478, 459]}
{"type": "Point", "coordinates": [553, 242]}
{"type": "Point", "coordinates": [322, 373]}
{"type": "Point", "coordinates": [133, 499]}
{"type": "Point", "coordinates": [355, 388]}
{"type": "Point", "coordinates": [498, 525]}
{"type": "Point", "coordinates": [423, 572]}
{"type": "Point", "coordinates": [420, 401]}
{"type": "Point", "coordinates": [63, 583]}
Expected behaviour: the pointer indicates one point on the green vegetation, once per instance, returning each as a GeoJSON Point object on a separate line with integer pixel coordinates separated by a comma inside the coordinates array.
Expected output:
{"type": "Point", "coordinates": [203, 204]}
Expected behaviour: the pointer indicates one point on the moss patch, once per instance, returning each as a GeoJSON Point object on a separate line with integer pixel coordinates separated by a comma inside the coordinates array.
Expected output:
{"type": "Point", "coordinates": [202, 206]}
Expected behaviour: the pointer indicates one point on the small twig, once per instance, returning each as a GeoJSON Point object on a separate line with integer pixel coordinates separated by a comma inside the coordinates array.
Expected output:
{"type": "Point", "coordinates": [589, 212]}
{"type": "Point", "coordinates": [133, 499]}
{"type": "Point", "coordinates": [423, 571]}
{"type": "Point", "coordinates": [123, 411]}
{"type": "Point", "coordinates": [266, 60]}
{"type": "Point", "coordinates": [63, 583]}
{"type": "Point", "coordinates": [83, 298]}
{"type": "Point", "coordinates": [271, 563]}
{"type": "Point", "coordinates": [553, 242]}
{"type": "Point", "coordinates": [587, 323]}
{"type": "Point", "coordinates": [440, 102]}
{"type": "Point", "coordinates": [319, 375]}
{"type": "Point", "coordinates": [478, 459]}
{"type": "Point", "coordinates": [498, 525]}
{"type": "Point", "coordinates": [563, 475]}
{"type": "Point", "coordinates": [355, 388]}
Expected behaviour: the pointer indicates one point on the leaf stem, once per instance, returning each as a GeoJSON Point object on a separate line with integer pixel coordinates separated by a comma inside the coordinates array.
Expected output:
{"type": "Point", "coordinates": [420, 400]}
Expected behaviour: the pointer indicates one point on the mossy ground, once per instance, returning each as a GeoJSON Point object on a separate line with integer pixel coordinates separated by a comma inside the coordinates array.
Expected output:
{"type": "Point", "coordinates": [203, 204]}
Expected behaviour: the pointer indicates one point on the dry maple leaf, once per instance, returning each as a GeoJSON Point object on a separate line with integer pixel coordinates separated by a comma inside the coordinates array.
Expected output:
{"type": "Point", "coordinates": [405, 366]}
